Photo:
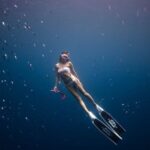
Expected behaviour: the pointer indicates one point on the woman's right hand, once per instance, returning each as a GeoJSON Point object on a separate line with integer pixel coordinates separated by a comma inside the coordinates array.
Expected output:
{"type": "Point", "coordinates": [55, 89]}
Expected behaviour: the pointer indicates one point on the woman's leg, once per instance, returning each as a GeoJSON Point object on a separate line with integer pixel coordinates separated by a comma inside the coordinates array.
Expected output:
{"type": "Point", "coordinates": [86, 94]}
{"type": "Point", "coordinates": [79, 99]}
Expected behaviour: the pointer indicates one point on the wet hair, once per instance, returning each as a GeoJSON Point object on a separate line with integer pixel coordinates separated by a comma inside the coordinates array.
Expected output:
{"type": "Point", "coordinates": [65, 52]}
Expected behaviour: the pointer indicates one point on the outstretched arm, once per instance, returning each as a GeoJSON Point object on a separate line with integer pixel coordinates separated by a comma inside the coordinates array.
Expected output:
{"type": "Point", "coordinates": [57, 80]}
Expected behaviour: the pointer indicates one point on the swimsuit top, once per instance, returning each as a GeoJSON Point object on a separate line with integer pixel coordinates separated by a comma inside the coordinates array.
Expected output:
{"type": "Point", "coordinates": [64, 70]}
{"type": "Point", "coordinates": [67, 79]}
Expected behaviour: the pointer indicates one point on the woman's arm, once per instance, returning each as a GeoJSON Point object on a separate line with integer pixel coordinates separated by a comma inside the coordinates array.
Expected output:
{"type": "Point", "coordinates": [72, 70]}
{"type": "Point", "coordinates": [74, 73]}
{"type": "Point", "coordinates": [57, 80]}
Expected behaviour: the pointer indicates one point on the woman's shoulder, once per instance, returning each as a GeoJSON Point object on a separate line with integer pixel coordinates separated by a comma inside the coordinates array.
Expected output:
{"type": "Point", "coordinates": [57, 65]}
{"type": "Point", "coordinates": [70, 63]}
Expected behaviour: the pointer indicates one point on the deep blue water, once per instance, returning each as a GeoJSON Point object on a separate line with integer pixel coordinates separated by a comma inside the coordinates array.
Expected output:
{"type": "Point", "coordinates": [109, 44]}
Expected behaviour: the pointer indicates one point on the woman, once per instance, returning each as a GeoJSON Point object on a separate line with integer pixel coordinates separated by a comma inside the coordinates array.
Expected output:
{"type": "Point", "coordinates": [65, 72]}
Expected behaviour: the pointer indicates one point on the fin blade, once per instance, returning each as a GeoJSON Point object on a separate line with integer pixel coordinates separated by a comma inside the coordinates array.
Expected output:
{"type": "Point", "coordinates": [112, 122]}
{"type": "Point", "coordinates": [110, 134]}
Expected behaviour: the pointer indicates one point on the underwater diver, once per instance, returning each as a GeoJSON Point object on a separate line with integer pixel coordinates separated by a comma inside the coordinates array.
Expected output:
{"type": "Point", "coordinates": [65, 72]}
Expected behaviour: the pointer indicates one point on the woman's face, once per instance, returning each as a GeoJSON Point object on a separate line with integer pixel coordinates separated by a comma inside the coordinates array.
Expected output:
{"type": "Point", "coordinates": [64, 58]}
